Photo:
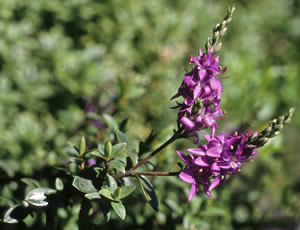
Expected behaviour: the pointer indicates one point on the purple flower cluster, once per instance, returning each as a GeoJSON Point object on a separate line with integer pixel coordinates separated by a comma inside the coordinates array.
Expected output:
{"type": "Point", "coordinates": [209, 164]}
{"type": "Point", "coordinates": [201, 91]}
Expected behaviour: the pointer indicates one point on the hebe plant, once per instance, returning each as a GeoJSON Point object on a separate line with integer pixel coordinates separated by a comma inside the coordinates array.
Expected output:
{"type": "Point", "coordinates": [105, 175]}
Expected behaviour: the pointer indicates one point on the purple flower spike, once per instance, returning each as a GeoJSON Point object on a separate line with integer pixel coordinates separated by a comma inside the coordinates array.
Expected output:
{"type": "Point", "coordinates": [201, 92]}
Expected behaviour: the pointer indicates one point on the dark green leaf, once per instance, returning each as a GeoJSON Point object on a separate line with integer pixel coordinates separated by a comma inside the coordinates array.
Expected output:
{"type": "Point", "coordinates": [59, 185]}
{"type": "Point", "coordinates": [149, 189]}
{"type": "Point", "coordinates": [118, 148]}
{"type": "Point", "coordinates": [15, 213]}
{"type": "Point", "coordinates": [84, 185]}
{"type": "Point", "coordinates": [119, 209]}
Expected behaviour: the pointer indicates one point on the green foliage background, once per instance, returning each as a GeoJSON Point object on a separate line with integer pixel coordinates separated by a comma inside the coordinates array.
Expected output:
{"type": "Point", "coordinates": [126, 56]}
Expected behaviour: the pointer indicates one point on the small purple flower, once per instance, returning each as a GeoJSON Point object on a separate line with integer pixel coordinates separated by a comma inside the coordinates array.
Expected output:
{"type": "Point", "coordinates": [209, 164]}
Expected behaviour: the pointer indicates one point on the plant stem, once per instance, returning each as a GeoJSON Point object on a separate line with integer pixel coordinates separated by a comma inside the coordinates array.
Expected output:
{"type": "Point", "coordinates": [156, 173]}
{"type": "Point", "coordinates": [175, 136]}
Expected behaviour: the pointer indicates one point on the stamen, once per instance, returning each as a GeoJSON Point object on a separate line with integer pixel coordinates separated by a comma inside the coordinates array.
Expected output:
{"type": "Point", "coordinates": [239, 170]}
{"type": "Point", "coordinates": [232, 165]}
{"type": "Point", "coordinates": [198, 67]}
{"type": "Point", "coordinates": [231, 147]}
{"type": "Point", "coordinates": [200, 170]}
{"type": "Point", "coordinates": [235, 134]}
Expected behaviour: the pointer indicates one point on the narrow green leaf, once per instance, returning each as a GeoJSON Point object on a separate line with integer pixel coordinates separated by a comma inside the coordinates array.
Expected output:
{"type": "Point", "coordinates": [119, 209]}
{"type": "Point", "coordinates": [82, 145]}
{"type": "Point", "coordinates": [148, 198]}
{"type": "Point", "coordinates": [125, 191]}
{"type": "Point", "coordinates": [59, 185]}
{"type": "Point", "coordinates": [107, 149]}
{"type": "Point", "coordinates": [117, 149]}
{"type": "Point", "coordinates": [149, 189]}
{"type": "Point", "coordinates": [117, 164]}
{"type": "Point", "coordinates": [84, 185]}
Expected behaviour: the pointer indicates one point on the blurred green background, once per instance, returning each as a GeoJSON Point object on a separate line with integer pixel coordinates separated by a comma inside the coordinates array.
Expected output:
{"type": "Point", "coordinates": [124, 57]}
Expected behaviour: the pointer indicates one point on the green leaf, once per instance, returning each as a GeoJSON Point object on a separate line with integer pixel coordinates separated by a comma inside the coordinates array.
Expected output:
{"type": "Point", "coordinates": [84, 185]}
{"type": "Point", "coordinates": [59, 185]}
{"type": "Point", "coordinates": [116, 193]}
{"type": "Point", "coordinates": [82, 145]}
{"type": "Point", "coordinates": [149, 189]}
{"type": "Point", "coordinates": [112, 183]}
{"type": "Point", "coordinates": [119, 209]}
{"type": "Point", "coordinates": [74, 147]}
{"type": "Point", "coordinates": [107, 149]}
{"type": "Point", "coordinates": [107, 193]}
{"type": "Point", "coordinates": [130, 150]}
{"type": "Point", "coordinates": [117, 164]}
{"type": "Point", "coordinates": [111, 123]}
{"type": "Point", "coordinates": [98, 154]}
{"type": "Point", "coordinates": [101, 149]}
{"type": "Point", "coordinates": [148, 198]}
{"type": "Point", "coordinates": [214, 211]}
{"type": "Point", "coordinates": [31, 182]}
{"type": "Point", "coordinates": [117, 149]}
{"type": "Point", "coordinates": [125, 191]}
{"type": "Point", "coordinates": [14, 214]}
{"type": "Point", "coordinates": [93, 196]}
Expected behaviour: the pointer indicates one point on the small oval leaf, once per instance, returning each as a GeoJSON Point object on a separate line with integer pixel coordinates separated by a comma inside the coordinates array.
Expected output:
{"type": "Point", "coordinates": [59, 185]}
{"type": "Point", "coordinates": [119, 209]}
{"type": "Point", "coordinates": [84, 185]}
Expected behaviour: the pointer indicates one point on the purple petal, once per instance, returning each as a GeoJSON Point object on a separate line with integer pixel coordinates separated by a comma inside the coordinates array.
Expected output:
{"type": "Point", "coordinates": [205, 188]}
{"type": "Point", "coordinates": [185, 158]}
{"type": "Point", "coordinates": [193, 191]}
{"type": "Point", "coordinates": [187, 176]}
{"type": "Point", "coordinates": [214, 151]}
{"type": "Point", "coordinates": [201, 162]}
{"type": "Point", "coordinates": [215, 183]}
{"type": "Point", "coordinates": [199, 151]}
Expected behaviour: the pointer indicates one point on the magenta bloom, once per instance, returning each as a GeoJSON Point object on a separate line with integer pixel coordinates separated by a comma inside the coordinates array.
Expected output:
{"type": "Point", "coordinates": [202, 95]}
{"type": "Point", "coordinates": [209, 164]}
